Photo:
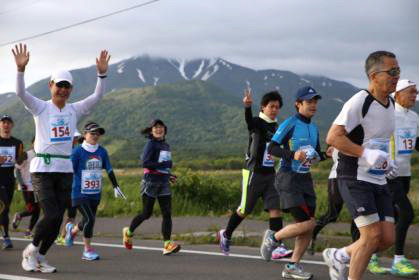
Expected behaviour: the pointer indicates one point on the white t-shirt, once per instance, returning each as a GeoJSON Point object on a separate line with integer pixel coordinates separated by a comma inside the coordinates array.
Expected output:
{"type": "Point", "coordinates": [55, 127]}
{"type": "Point", "coordinates": [369, 124]}
{"type": "Point", "coordinates": [403, 141]}
{"type": "Point", "coordinates": [24, 170]}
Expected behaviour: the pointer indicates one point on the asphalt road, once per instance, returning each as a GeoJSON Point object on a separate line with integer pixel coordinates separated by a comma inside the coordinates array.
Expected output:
{"type": "Point", "coordinates": [146, 261]}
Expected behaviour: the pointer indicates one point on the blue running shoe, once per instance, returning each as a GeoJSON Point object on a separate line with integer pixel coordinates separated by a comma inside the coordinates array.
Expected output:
{"type": "Point", "coordinates": [90, 255]}
{"type": "Point", "coordinates": [69, 238]}
{"type": "Point", "coordinates": [224, 242]}
{"type": "Point", "coordinates": [7, 243]}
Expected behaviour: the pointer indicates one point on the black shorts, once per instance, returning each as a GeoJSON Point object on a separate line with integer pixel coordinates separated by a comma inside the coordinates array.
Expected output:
{"type": "Point", "coordinates": [295, 190]}
{"type": "Point", "coordinates": [367, 202]}
{"type": "Point", "coordinates": [155, 189]}
{"type": "Point", "coordinates": [255, 185]}
{"type": "Point", "coordinates": [53, 185]}
{"type": "Point", "coordinates": [6, 194]}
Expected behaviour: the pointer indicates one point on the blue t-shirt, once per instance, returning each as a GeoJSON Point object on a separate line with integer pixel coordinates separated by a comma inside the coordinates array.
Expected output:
{"type": "Point", "coordinates": [297, 133]}
{"type": "Point", "coordinates": [87, 180]}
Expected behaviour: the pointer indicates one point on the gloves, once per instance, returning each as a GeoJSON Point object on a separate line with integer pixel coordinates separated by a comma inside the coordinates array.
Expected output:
{"type": "Point", "coordinates": [375, 157]}
{"type": "Point", "coordinates": [392, 170]}
{"type": "Point", "coordinates": [172, 178]}
{"type": "Point", "coordinates": [118, 192]}
{"type": "Point", "coordinates": [23, 187]}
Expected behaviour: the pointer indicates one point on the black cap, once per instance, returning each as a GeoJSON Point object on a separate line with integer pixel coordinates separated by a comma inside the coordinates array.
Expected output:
{"type": "Point", "coordinates": [157, 121]}
{"type": "Point", "coordinates": [6, 118]}
{"type": "Point", "coordinates": [93, 127]}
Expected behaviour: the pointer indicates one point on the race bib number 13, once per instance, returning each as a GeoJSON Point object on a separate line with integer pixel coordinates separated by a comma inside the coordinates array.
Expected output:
{"type": "Point", "coordinates": [60, 128]}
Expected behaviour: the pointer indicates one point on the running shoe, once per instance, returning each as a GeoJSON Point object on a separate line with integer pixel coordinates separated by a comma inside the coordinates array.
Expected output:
{"type": "Point", "coordinates": [224, 242]}
{"type": "Point", "coordinates": [337, 270]}
{"type": "Point", "coordinates": [16, 221]}
{"type": "Point", "coordinates": [43, 265]}
{"type": "Point", "coordinates": [69, 237]}
{"type": "Point", "coordinates": [268, 245]}
{"type": "Point", "coordinates": [90, 255]}
{"type": "Point", "coordinates": [403, 268]}
{"type": "Point", "coordinates": [295, 271]}
{"type": "Point", "coordinates": [28, 234]}
{"type": "Point", "coordinates": [374, 266]}
{"type": "Point", "coordinates": [7, 243]}
{"type": "Point", "coordinates": [60, 241]}
{"type": "Point", "coordinates": [30, 258]}
{"type": "Point", "coordinates": [171, 247]}
{"type": "Point", "coordinates": [281, 252]}
{"type": "Point", "coordinates": [126, 238]}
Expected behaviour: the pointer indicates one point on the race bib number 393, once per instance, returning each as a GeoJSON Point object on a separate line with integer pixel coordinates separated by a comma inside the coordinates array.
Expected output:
{"type": "Point", "coordinates": [60, 128]}
{"type": "Point", "coordinates": [91, 181]}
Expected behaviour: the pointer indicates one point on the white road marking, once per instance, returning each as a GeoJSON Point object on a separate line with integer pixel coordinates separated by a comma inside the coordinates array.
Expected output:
{"type": "Point", "coordinates": [17, 277]}
{"type": "Point", "coordinates": [110, 245]}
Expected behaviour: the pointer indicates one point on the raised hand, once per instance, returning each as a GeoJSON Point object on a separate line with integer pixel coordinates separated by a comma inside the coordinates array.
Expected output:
{"type": "Point", "coordinates": [102, 62]}
{"type": "Point", "coordinates": [247, 99]}
{"type": "Point", "coordinates": [21, 55]}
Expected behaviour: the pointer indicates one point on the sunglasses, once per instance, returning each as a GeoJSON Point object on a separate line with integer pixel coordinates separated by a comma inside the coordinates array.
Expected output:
{"type": "Point", "coordinates": [63, 84]}
{"type": "Point", "coordinates": [95, 133]}
{"type": "Point", "coordinates": [393, 72]}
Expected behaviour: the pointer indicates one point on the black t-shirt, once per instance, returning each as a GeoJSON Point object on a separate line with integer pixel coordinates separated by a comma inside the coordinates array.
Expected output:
{"type": "Point", "coordinates": [260, 135]}
{"type": "Point", "coordinates": [11, 149]}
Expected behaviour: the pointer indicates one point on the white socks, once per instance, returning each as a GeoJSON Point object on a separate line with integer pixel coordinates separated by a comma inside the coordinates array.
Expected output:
{"type": "Point", "coordinates": [342, 256]}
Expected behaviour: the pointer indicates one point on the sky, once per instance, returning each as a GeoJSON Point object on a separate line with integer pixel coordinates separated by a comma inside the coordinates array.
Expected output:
{"type": "Point", "coordinates": [329, 38]}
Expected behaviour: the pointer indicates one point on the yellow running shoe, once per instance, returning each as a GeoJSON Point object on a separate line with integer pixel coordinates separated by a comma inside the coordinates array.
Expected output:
{"type": "Point", "coordinates": [374, 266]}
{"type": "Point", "coordinates": [170, 247]}
{"type": "Point", "coordinates": [127, 238]}
{"type": "Point", "coordinates": [403, 268]}
{"type": "Point", "coordinates": [60, 241]}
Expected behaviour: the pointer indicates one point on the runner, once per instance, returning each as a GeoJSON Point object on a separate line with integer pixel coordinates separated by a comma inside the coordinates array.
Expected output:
{"type": "Point", "coordinates": [296, 142]}
{"type": "Point", "coordinates": [88, 161]}
{"type": "Point", "coordinates": [11, 152]}
{"type": "Point", "coordinates": [402, 144]}
{"type": "Point", "coordinates": [51, 169]}
{"type": "Point", "coordinates": [25, 185]}
{"type": "Point", "coordinates": [157, 162]}
{"type": "Point", "coordinates": [259, 175]}
{"type": "Point", "coordinates": [361, 132]}
{"type": "Point", "coordinates": [334, 202]}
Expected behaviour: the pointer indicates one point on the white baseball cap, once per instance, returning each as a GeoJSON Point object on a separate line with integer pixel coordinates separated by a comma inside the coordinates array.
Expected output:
{"type": "Point", "coordinates": [403, 84]}
{"type": "Point", "coordinates": [62, 75]}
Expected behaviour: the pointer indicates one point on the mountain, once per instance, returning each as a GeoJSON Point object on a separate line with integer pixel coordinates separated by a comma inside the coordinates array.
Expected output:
{"type": "Point", "coordinates": [200, 99]}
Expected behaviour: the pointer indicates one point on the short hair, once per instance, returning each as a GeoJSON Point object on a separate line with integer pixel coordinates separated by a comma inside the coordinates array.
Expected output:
{"type": "Point", "coordinates": [271, 96]}
{"type": "Point", "coordinates": [375, 59]}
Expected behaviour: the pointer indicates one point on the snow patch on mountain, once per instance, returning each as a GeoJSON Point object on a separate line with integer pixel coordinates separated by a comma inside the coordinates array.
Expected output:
{"type": "Point", "coordinates": [120, 68]}
{"type": "Point", "coordinates": [156, 79]}
{"type": "Point", "coordinates": [199, 70]}
{"type": "Point", "coordinates": [209, 73]}
{"type": "Point", "coordinates": [179, 64]}
{"type": "Point", "coordinates": [140, 75]}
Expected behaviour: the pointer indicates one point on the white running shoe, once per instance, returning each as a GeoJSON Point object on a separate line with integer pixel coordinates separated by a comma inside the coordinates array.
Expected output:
{"type": "Point", "coordinates": [268, 245]}
{"type": "Point", "coordinates": [43, 265]}
{"type": "Point", "coordinates": [337, 269]}
{"type": "Point", "coordinates": [30, 258]}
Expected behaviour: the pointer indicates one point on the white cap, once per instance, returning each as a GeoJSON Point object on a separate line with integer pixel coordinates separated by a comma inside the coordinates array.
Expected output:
{"type": "Point", "coordinates": [62, 75]}
{"type": "Point", "coordinates": [77, 133]}
{"type": "Point", "coordinates": [403, 84]}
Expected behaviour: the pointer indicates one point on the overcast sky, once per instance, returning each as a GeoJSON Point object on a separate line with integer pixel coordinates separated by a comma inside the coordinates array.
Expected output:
{"type": "Point", "coordinates": [326, 37]}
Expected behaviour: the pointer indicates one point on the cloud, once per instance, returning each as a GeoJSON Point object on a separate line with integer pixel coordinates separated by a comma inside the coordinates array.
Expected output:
{"type": "Point", "coordinates": [327, 38]}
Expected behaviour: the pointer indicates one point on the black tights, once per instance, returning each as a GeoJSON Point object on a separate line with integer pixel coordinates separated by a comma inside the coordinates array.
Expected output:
{"type": "Point", "coordinates": [6, 196]}
{"type": "Point", "coordinates": [32, 208]}
{"type": "Point", "coordinates": [165, 203]}
{"type": "Point", "coordinates": [88, 210]}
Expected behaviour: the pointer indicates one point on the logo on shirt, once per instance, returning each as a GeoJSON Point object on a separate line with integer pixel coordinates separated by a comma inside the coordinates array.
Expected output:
{"type": "Point", "coordinates": [94, 163]}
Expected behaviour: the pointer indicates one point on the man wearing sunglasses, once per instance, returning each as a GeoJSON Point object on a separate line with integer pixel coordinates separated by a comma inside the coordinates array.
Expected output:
{"type": "Point", "coordinates": [51, 169]}
{"type": "Point", "coordinates": [361, 132]}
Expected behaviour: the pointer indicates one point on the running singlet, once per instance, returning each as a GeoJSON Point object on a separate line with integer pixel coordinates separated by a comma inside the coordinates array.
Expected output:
{"type": "Point", "coordinates": [9, 149]}
{"type": "Point", "coordinates": [404, 139]}
{"type": "Point", "coordinates": [298, 133]}
{"type": "Point", "coordinates": [55, 127]}
{"type": "Point", "coordinates": [87, 182]}
{"type": "Point", "coordinates": [370, 124]}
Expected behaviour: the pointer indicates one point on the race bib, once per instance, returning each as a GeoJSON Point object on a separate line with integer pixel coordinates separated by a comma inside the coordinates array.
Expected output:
{"type": "Point", "coordinates": [59, 128]}
{"type": "Point", "coordinates": [312, 157]}
{"type": "Point", "coordinates": [8, 155]}
{"type": "Point", "coordinates": [268, 160]}
{"type": "Point", "coordinates": [164, 156]}
{"type": "Point", "coordinates": [378, 144]}
{"type": "Point", "coordinates": [406, 140]}
{"type": "Point", "coordinates": [91, 181]}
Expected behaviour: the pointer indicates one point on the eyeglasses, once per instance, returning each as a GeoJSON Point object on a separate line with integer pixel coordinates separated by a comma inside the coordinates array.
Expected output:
{"type": "Point", "coordinates": [393, 72]}
{"type": "Point", "coordinates": [63, 84]}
